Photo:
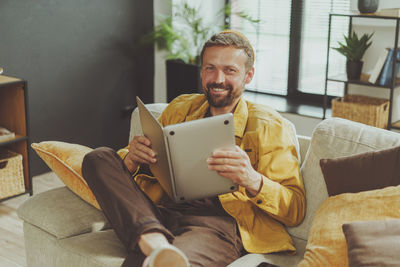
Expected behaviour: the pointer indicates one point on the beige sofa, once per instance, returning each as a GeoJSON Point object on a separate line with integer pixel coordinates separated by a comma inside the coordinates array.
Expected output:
{"type": "Point", "coordinates": [62, 230]}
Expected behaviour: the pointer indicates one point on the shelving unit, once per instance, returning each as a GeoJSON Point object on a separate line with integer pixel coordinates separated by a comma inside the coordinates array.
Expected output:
{"type": "Point", "coordinates": [14, 117]}
{"type": "Point", "coordinates": [343, 78]}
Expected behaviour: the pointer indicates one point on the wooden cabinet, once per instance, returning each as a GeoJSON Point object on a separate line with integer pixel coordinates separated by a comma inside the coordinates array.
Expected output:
{"type": "Point", "coordinates": [13, 116]}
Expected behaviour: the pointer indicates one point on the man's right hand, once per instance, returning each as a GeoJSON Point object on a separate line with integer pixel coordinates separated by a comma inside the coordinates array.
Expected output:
{"type": "Point", "coordinates": [139, 153]}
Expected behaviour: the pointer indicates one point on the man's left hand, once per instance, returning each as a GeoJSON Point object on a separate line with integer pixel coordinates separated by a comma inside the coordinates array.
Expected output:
{"type": "Point", "coordinates": [234, 164]}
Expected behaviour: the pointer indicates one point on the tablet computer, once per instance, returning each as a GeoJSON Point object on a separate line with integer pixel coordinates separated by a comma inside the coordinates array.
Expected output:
{"type": "Point", "coordinates": [182, 150]}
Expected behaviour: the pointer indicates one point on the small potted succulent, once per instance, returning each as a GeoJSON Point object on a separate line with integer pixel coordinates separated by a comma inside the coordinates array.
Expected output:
{"type": "Point", "coordinates": [354, 50]}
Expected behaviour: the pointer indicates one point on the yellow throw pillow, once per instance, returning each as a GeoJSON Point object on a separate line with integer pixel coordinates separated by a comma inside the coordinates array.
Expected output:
{"type": "Point", "coordinates": [66, 161]}
{"type": "Point", "coordinates": [326, 244]}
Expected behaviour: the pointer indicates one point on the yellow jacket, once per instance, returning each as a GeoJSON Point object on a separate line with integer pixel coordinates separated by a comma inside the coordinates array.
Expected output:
{"type": "Point", "coordinates": [267, 139]}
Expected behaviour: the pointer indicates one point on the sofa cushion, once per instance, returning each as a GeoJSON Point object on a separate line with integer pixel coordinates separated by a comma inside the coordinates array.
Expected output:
{"type": "Point", "coordinates": [362, 172]}
{"type": "Point", "coordinates": [326, 244]}
{"type": "Point", "coordinates": [373, 243]}
{"type": "Point", "coordinates": [335, 137]}
{"type": "Point", "coordinates": [67, 215]}
{"type": "Point", "coordinates": [102, 248]}
{"type": "Point", "coordinates": [66, 161]}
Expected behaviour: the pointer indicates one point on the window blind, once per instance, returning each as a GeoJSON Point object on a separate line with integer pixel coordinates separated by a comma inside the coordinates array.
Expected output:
{"type": "Point", "coordinates": [314, 42]}
{"type": "Point", "coordinates": [271, 38]}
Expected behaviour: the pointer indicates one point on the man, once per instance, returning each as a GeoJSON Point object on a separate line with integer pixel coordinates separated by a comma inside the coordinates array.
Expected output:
{"type": "Point", "coordinates": [212, 231]}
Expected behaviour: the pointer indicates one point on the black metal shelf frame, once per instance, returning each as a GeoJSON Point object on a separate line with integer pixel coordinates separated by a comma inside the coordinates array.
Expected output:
{"type": "Point", "coordinates": [345, 81]}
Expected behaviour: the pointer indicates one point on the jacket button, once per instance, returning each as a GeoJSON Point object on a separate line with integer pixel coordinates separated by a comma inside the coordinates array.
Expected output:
{"type": "Point", "coordinates": [259, 201]}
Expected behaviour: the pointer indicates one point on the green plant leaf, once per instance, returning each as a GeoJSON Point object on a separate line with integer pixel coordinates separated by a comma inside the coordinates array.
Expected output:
{"type": "Point", "coordinates": [354, 47]}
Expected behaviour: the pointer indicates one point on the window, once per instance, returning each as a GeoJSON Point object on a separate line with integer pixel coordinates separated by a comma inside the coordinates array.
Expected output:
{"type": "Point", "coordinates": [289, 63]}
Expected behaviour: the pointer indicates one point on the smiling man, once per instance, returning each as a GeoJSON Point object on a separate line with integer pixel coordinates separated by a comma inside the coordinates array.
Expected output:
{"type": "Point", "coordinates": [217, 230]}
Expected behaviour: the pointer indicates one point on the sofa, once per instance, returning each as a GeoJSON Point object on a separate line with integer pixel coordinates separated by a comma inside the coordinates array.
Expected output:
{"type": "Point", "coordinates": [61, 229]}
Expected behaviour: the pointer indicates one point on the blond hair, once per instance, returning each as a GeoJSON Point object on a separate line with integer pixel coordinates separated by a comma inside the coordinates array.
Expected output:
{"type": "Point", "coordinates": [234, 39]}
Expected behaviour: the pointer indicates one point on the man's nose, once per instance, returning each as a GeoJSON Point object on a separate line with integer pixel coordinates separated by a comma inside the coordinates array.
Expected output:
{"type": "Point", "coordinates": [220, 77]}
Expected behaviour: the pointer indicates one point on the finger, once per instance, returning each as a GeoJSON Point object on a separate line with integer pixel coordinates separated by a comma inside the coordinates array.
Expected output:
{"type": "Point", "coordinates": [142, 156]}
{"type": "Point", "coordinates": [142, 140]}
{"type": "Point", "coordinates": [143, 160]}
{"type": "Point", "coordinates": [144, 149]}
{"type": "Point", "coordinates": [223, 168]}
{"type": "Point", "coordinates": [224, 161]}
{"type": "Point", "coordinates": [226, 154]}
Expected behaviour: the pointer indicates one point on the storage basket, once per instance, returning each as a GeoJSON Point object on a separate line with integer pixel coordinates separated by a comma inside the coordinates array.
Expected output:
{"type": "Point", "coordinates": [11, 174]}
{"type": "Point", "coordinates": [368, 110]}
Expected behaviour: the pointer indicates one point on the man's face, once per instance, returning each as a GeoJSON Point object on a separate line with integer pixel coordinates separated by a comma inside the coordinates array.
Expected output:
{"type": "Point", "coordinates": [224, 76]}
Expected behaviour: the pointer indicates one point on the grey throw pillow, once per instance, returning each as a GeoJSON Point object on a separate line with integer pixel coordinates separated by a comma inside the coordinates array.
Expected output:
{"type": "Point", "coordinates": [373, 243]}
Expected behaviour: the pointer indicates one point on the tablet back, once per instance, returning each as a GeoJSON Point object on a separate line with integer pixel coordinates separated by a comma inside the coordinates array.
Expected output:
{"type": "Point", "coordinates": [152, 129]}
{"type": "Point", "coordinates": [190, 144]}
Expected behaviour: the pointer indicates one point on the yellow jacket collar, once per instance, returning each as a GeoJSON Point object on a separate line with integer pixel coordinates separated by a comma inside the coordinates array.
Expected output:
{"type": "Point", "coordinates": [240, 116]}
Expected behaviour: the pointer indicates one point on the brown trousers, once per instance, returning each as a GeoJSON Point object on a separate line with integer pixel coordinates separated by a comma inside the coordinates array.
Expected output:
{"type": "Point", "coordinates": [207, 235]}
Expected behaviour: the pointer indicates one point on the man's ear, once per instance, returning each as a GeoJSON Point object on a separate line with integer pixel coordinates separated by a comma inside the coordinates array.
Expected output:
{"type": "Point", "coordinates": [249, 75]}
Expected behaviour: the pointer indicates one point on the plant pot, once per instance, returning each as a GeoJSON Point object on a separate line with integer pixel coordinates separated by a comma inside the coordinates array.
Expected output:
{"type": "Point", "coordinates": [182, 78]}
{"type": "Point", "coordinates": [368, 6]}
{"type": "Point", "coordinates": [353, 69]}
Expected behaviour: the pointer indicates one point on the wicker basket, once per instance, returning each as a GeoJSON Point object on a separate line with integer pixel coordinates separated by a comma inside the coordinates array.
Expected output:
{"type": "Point", "coordinates": [364, 109]}
{"type": "Point", "coordinates": [11, 174]}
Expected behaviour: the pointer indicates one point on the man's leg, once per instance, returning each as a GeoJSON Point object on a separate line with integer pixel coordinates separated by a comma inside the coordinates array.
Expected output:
{"type": "Point", "coordinates": [130, 212]}
{"type": "Point", "coordinates": [208, 240]}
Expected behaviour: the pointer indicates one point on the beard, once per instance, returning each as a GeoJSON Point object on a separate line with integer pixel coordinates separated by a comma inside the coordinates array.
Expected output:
{"type": "Point", "coordinates": [219, 102]}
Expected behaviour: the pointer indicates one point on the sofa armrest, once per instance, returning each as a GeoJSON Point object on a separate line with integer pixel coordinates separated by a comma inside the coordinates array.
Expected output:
{"type": "Point", "coordinates": [304, 143]}
{"type": "Point", "coordinates": [62, 213]}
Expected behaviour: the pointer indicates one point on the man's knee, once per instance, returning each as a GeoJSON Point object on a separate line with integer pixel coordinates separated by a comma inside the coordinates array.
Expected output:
{"type": "Point", "coordinates": [91, 159]}
{"type": "Point", "coordinates": [100, 152]}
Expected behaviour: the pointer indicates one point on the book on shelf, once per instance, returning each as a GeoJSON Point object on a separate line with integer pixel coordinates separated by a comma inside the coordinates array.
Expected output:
{"type": "Point", "coordinates": [388, 12]}
{"type": "Point", "coordinates": [378, 66]}
{"type": "Point", "coordinates": [385, 78]}
{"type": "Point", "coordinates": [5, 134]}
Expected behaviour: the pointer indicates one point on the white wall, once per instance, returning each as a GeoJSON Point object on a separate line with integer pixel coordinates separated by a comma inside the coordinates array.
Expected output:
{"type": "Point", "coordinates": [161, 8]}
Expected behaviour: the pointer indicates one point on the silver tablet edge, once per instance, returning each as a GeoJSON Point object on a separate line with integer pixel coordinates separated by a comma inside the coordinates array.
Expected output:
{"type": "Point", "coordinates": [171, 169]}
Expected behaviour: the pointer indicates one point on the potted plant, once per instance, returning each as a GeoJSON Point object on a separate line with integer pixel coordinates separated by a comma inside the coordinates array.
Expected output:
{"type": "Point", "coordinates": [183, 40]}
{"type": "Point", "coordinates": [354, 50]}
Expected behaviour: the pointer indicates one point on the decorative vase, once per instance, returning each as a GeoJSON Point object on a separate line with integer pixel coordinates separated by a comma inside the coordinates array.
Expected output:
{"type": "Point", "coordinates": [368, 6]}
{"type": "Point", "coordinates": [353, 69]}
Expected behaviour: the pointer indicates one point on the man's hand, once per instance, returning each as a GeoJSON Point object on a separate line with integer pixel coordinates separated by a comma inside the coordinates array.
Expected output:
{"type": "Point", "coordinates": [139, 153]}
{"type": "Point", "coordinates": [234, 164]}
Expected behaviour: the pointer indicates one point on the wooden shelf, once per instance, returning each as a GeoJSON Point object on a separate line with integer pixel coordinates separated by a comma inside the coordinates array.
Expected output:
{"type": "Point", "coordinates": [13, 116]}
{"type": "Point", "coordinates": [363, 81]}
{"type": "Point", "coordinates": [17, 138]}
{"type": "Point", "coordinates": [4, 80]}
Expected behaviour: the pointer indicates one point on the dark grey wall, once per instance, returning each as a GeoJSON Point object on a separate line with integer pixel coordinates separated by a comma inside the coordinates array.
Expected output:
{"type": "Point", "coordinates": [83, 64]}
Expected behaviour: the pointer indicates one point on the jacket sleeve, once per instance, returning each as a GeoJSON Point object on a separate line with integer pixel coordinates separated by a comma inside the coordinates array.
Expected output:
{"type": "Point", "coordinates": [282, 194]}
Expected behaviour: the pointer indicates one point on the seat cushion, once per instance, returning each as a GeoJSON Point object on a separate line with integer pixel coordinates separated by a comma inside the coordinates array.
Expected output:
{"type": "Point", "coordinates": [102, 248]}
{"type": "Point", "coordinates": [62, 213]}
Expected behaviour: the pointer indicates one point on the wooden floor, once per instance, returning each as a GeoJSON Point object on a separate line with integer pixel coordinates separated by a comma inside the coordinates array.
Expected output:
{"type": "Point", "coordinates": [12, 247]}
